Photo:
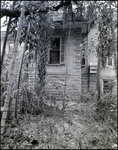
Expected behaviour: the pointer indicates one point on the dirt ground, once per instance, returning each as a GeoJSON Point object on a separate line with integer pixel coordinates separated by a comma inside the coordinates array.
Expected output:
{"type": "Point", "coordinates": [76, 128]}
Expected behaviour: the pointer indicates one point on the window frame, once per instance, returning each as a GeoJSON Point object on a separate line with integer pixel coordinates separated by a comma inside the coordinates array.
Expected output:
{"type": "Point", "coordinates": [107, 60]}
{"type": "Point", "coordinates": [11, 48]}
{"type": "Point", "coordinates": [83, 56]}
{"type": "Point", "coordinates": [60, 51]}
{"type": "Point", "coordinates": [107, 89]}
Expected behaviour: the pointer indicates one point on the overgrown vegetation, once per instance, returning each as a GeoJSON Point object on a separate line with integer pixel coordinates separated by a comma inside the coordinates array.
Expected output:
{"type": "Point", "coordinates": [80, 126]}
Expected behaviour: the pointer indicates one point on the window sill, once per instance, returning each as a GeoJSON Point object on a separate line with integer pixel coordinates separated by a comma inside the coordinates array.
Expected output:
{"type": "Point", "coordinates": [109, 66]}
{"type": "Point", "coordinates": [55, 64]}
{"type": "Point", "coordinates": [83, 66]}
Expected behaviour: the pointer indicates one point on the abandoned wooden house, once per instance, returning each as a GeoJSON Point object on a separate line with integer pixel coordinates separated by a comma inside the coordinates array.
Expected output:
{"type": "Point", "coordinates": [70, 68]}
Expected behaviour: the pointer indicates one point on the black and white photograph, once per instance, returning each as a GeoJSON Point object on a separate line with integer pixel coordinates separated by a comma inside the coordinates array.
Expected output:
{"type": "Point", "coordinates": [58, 74]}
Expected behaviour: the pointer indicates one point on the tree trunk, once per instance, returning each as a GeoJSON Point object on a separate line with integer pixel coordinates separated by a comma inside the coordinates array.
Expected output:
{"type": "Point", "coordinates": [35, 68]}
{"type": "Point", "coordinates": [21, 63]}
{"type": "Point", "coordinates": [20, 69]}
{"type": "Point", "coordinates": [98, 79]}
{"type": "Point", "coordinates": [11, 79]}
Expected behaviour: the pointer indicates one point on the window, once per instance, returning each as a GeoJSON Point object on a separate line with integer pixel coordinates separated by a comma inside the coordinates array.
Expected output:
{"type": "Point", "coordinates": [57, 51]}
{"type": "Point", "coordinates": [83, 60]}
{"type": "Point", "coordinates": [107, 86]}
{"type": "Point", "coordinates": [11, 47]}
{"type": "Point", "coordinates": [26, 76]}
{"type": "Point", "coordinates": [109, 61]}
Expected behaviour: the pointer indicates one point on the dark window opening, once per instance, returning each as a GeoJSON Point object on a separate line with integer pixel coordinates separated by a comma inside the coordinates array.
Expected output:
{"type": "Point", "coordinates": [109, 61]}
{"type": "Point", "coordinates": [83, 60]}
{"type": "Point", "coordinates": [54, 57]}
{"type": "Point", "coordinates": [57, 51]}
{"type": "Point", "coordinates": [107, 87]}
{"type": "Point", "coordinates": [55, 44]}
{"type": "Point", "coordinates": [11, 47]}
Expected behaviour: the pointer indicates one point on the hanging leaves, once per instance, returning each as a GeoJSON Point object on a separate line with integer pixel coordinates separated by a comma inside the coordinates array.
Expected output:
{"type": "Point", "coordinates": [106, 32]}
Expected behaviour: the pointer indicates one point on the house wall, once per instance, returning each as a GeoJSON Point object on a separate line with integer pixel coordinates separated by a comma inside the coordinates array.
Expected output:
{"type": "Point", "coordinates": [88, 78]}
{"type": "Point", "coordinates": [88, 83]}
{"type": "Point", "coordinates": [106, 73]}
{"type": "Point", "coordinates": [70, 77]}
{"type": "Point", "coordinates": [68, 73]}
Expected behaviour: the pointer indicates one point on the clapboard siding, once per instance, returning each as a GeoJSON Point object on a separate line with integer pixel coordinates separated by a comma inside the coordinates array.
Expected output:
{"type": "Point", "coordinates": [56, 84]}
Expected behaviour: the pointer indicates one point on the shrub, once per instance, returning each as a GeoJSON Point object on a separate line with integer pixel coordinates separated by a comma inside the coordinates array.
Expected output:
{"type": "Point", "coordinates": [107, 107]}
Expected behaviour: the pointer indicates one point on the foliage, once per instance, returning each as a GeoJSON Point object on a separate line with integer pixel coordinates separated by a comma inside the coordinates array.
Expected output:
{"type": "Point", "coordinates": [38, 38]}
{"type": "Point", "coordinates": [29, 102]}
{"type": "Point", "coordinates": [35, 102]}
{"type": "Point", "coordinates": [5, 75]}
{"type": "Point", "coordinates": [107, 108]}
{"type": "Point", "coordinates": [107, 114]}
{"type": "Point", "coordinates": [107, 27]}
{"type": "Point", "coordinates": [77, 128]}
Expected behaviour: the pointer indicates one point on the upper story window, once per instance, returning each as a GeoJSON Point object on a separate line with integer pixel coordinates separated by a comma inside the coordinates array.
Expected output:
{"type": "Point", "coordinates": [107, 86]}
{"type": "Point", "coordinates": [109, 61]}
{"type": "Point", "coordinates": [83, 61]}
{"type": "Point", "coordinates": [57, 52]}
{"type": "Point", "coordinates": [11, 47]}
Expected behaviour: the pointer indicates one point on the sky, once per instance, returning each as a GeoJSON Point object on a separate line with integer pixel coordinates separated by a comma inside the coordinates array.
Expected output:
{"type": "Point", "coordinates": [2, 20]}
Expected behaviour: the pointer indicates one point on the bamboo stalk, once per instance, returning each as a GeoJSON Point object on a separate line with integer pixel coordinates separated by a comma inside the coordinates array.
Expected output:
{"type": "Point", "coordinates": [11, 79]}
{"type": "Point", "coordinates": [20, 69]}
{"type": "Point", "coordinates": [35, 68]}
{"type": "Point", "coordinates": [98, 79]}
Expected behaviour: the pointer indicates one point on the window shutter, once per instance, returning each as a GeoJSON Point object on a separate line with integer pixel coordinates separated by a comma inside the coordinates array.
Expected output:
{"type": "Point", "coordinates": [62, 50]}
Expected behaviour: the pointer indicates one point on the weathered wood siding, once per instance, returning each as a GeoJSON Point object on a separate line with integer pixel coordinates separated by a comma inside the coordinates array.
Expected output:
{"type": "Point", "coordinates": [70, 71]}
